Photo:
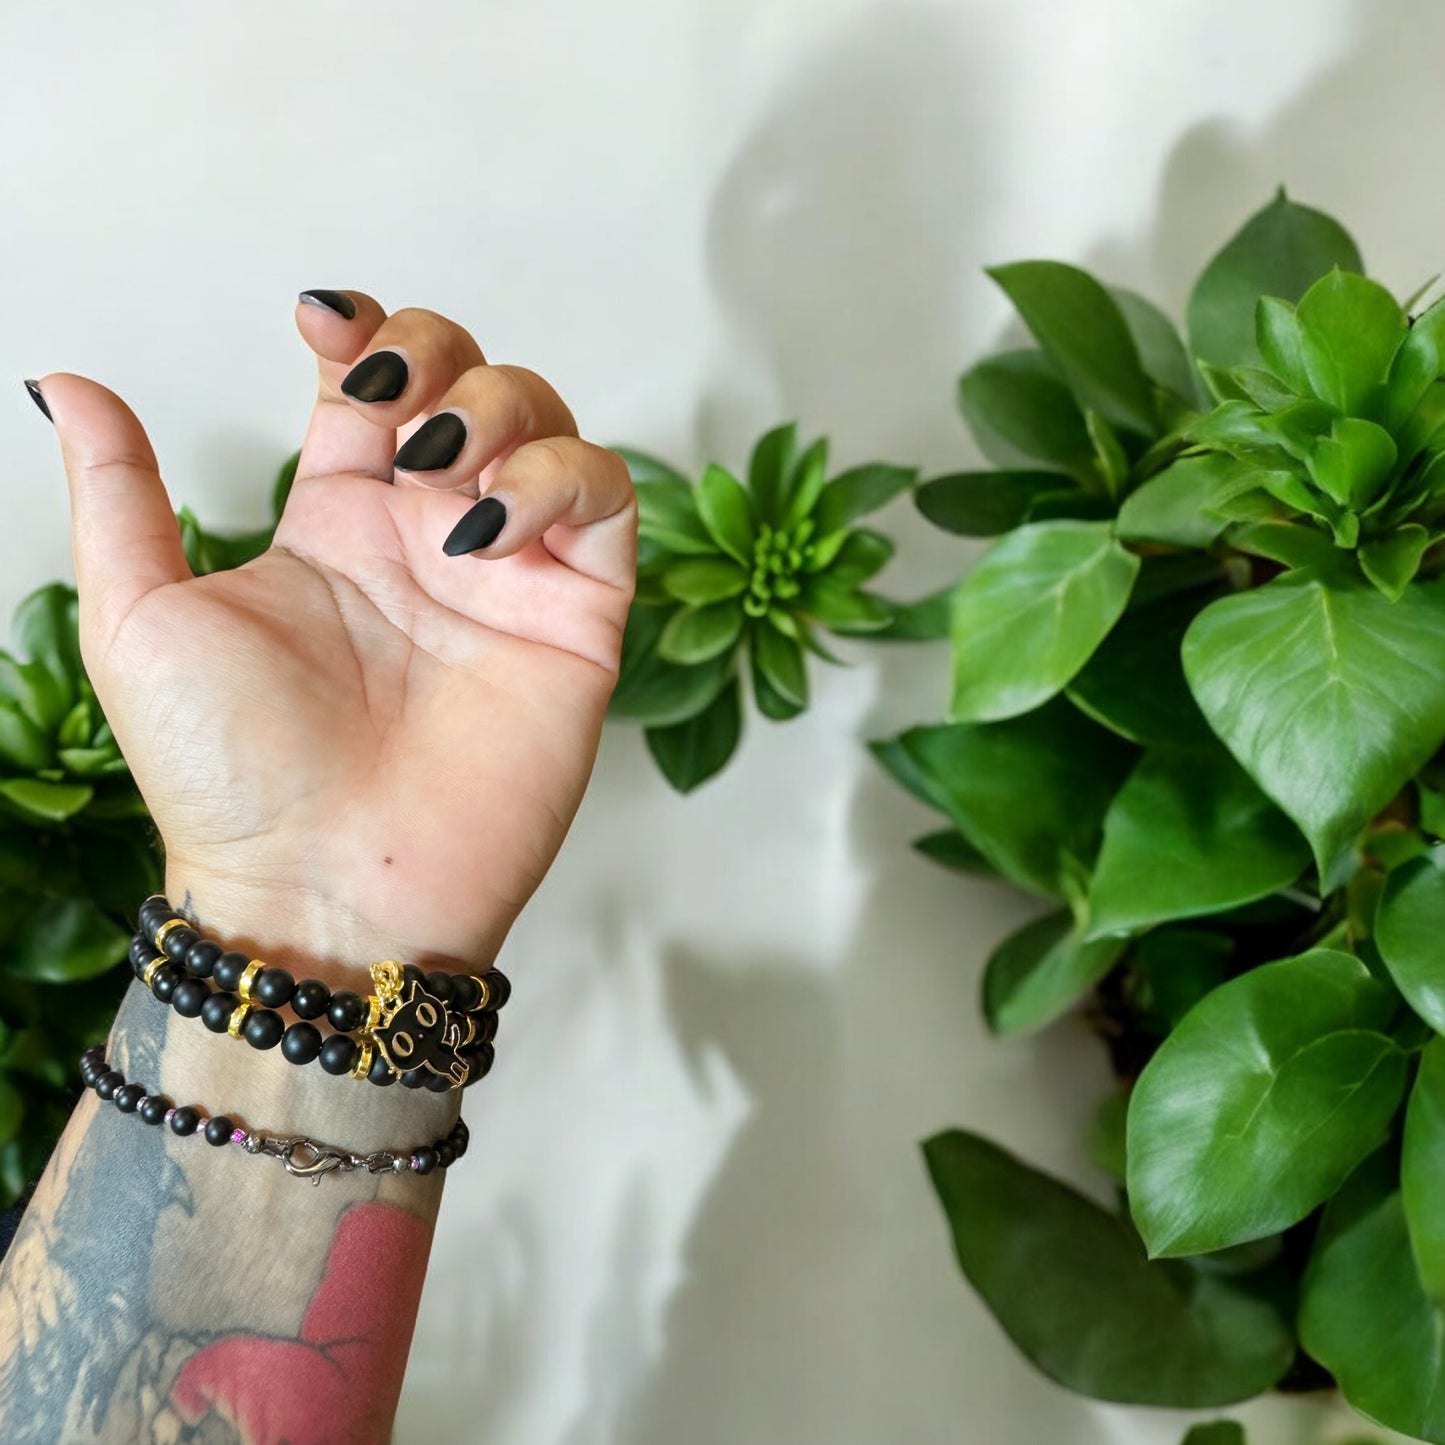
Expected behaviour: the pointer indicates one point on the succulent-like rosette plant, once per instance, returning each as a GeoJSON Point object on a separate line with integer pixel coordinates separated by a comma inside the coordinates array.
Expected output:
{"type": "Point", "coordinates": [733, 575]}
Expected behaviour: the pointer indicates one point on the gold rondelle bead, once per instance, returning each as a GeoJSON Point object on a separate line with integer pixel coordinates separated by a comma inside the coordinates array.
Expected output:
{"type": "Point", "coordinates": [238, 1017]}
{"type": "Point", "coordinates": [243, 988]}
{"type": "Point", "coordinates": [362, 1067]}
{"type": "Point", "coordinates": [165, 928]}
{"type": "Point", "coordinates": [486, 988]}
{"type": "Point", "coordinates": [373, 1013]}
{"type": "Point", "coordinates": [150, 971]}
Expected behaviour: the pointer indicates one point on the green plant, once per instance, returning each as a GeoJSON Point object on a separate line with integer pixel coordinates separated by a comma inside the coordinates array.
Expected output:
{"type": "Point", "coordinates": [77, 854]}
{"type": "Point", "coordinates": [1198, 706]}
{"type": "Point", "coordinates": [726, 569]}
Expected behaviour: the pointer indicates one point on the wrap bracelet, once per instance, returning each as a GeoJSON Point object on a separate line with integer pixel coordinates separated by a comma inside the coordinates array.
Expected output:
{"type": "Point", "coordinates": [301, 1157]}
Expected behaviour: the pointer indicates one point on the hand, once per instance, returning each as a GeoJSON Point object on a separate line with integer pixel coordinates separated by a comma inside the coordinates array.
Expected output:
{"type": "Point", "coordinates": [358, 746]}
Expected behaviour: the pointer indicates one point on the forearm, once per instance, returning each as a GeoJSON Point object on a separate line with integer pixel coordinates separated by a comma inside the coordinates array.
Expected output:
{"type": "Point", "coordinates": [156, 1279]}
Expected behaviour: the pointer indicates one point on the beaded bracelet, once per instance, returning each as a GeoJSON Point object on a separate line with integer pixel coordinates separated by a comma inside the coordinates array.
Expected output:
{"type": "Point", "coordinates": [430, 1030]}
{"type": "Point", "coordinates": [303, 1158]}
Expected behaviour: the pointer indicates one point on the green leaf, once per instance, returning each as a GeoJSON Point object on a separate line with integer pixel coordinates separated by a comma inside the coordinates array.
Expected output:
{"type": "Point", "coordinates": [984, 504]}
{"type": "Point", "coordinates": [1325, 693]}
{"type": "Point", "coordinates": [805, 486]}
{"type": "Point", "coordinates": [700, 580]}
{"type": "Point", "coordinates": [1351, 464]}
{"type": "Point", "coordinates": [667, 515]}
{"type": "Point", "coordinates": [1286, 542]}
{"type": "Point", "coordinates": [1257, 1107]}
{"type": "Point", "coordinates": [1064, 765]}
{"type": "Point", "coordinates": [1225, 842]}
{"type": "Point", "coordinates": [1409, 924]}
{"type": "Point", "coordinates": [950, 848]}
{"type": "Point", "coordinates": [1113, 459]}
{"type": "Point", "coordinates": [690, 752]}
{"type": "Point", "coordinates": [1082, 330]}
{"type": "Point", "coordinates": [656, 692]}
{"type": "Point", "coordinates": [780, 660]}
{"type": "Point", "coordinates": [1422, 1169]}
{"type": "Point", "coordinates": [1043, 1257]}
{"type": "Point", "coordinates": [843, 610]}
{"type": "Point", "coordinates": [1041, 971]}
{"type": "Point", "coordinates": [64, 940]}
{"type": "Point", "coordinates": [1280, 251]}
{"type": "Point", "coordinates": [39, 696]}
{"type": "Point", "coordinates": [1392, 561]}
{"type": "Point", "coordinates": [1160, 349]}
{"type": "Point", "coordinates": [1020, 411]}
{"type": "Point", "coordinates": [1104, 1135]}
{"type": "Point", "coordinates": [771, 703]}
{"type": "Point", "coordinates": [926, 619]}
{"type": "Point", "coordinates": [42, 801]}
{"type": "Point", "coordinates": [727, 513]}
{"type": "Point", "coordinates": [1349, 329]}
{"type": "Point", "coordinates": [46, 628]}
{"type": "Point", "coordinates": [695, 634]}
{"type": "Point", "coordinates": [22, 744]}
{"type": "Point", "coordinates": [1027, 618]}
{"type": "Point", "coordinates": [644, 467]}
{"type": "Point", "coordinates": [1277, 334]}
{"type": "Point", "coordinates": [1419, 362]}
{"type": "Point", "coordinates": [769, 468]}
{"type": "Point", "coordinates": [1179, 966]}
{"type": "Point", "coordinates": [1216, 1432]}
{"type": "Point", "coordinates": [1175, 506]}
{"type": "Point", "coordinates": [863, 554]}
{"type": "Point", "coordinates": [857, 492]}
{"type": "Point", "coordinates": [1364, 1314]}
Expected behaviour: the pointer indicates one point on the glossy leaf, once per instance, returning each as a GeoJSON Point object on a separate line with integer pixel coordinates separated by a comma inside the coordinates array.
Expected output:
{"type": "Point", "coordinates": [727, 513]}
{"type": "Point", "coordinates": [857, 492]}
{"type": "Point", "coordinates": [1176, 504]}
{"type": "Point", "coordinates": [1216, 1432]}
{"type": "Point", "coordinates": [63, 940]}
{"type": "Point", "coordinates": [643, 467]}
{"type": "Point", "coordinates": [1021, 411]}
{"type": "Point", "coordinates": [805, 485]}
{"type": "Point", "coordinates": [1349, 328]}
{"type": "Point", "coordinates": [1409, 927]}
{"type": "Point", "coordinates": [984, 504]}
{"type": "Point", "coordinates": [863, 554]}
{"type": "Point", "coordinates": [1189, 833]}
{"type": "Point", "coordinates": [1391, 561]}
{"type": "Point", "coordinates": [1419, 362]}
{"type": "Point", "coordinates": [950, 848]}
{"type": "Point", "coordinates": [45, 802]}
{"type": "Point", "coordinates": [700, 580]}
{"type": "Point", "coordinates": [926, 619]}
{"type": "Point", "coordinates": [653, 691]}
{"type": "Point", "coordinates": [1082, 330]}
{"type": "Point", "coordinates": [1043, 1258]}
{"type": "Point", "coordinates": [690, 752]}
{"type": "Point", "coordinates": [843, 610]}
{"type": "Point", "coordinates": [1041, 971]}
{"type": "Point", "coordinates": [1261, 1102]}
{"type": "Point", "coordinates": [695, 634]}
{"type": "Point", "coordinates": [1280, 251]}
{"type": "Point", "coordinates": [1027, 618]}
{"type": "Point", "coordinates": [780, 660]}
{"type": "Point", "coordinates": [23, 746]}
{"type": "Point", "coordinates": [1160, 349]}
{"type": "Point", "coordinates": [1321, 691]}
{"type": "Point", "coordinates": [1351, 464]}
{"type": "Point", "coordinates": [769, 469]}
{"type": "Point", "coordinates": [1277, 334]}
{"type": "Point", "coordinates": [667, 514]}
{"type": "Point", "coordinates": [1422, 1169]}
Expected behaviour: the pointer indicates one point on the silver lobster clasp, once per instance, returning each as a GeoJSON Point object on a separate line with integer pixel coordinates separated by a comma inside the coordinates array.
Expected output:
{"type": "Point", "coordinates": [314, 1161]}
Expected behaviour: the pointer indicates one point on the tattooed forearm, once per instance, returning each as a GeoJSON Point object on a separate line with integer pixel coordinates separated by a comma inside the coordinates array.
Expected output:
{"type": "Point", "coordinates": [160, 1289]}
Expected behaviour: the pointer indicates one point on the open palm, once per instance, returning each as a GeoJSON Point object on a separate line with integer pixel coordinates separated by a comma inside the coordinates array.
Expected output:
{"type": "Point", "coordinates": [357, 725]}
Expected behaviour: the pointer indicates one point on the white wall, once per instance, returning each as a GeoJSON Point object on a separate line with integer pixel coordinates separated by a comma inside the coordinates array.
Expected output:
{"type": "Point", "coordinates": [695, 1211]}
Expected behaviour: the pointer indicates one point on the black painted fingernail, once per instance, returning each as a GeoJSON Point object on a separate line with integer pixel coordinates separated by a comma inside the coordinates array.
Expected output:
{"type": "Point", "coordinates": [381, 376]}
{"type": "Point", "coordinates": [435, 445]}
{"type": "Point", "coordinates": [337, 301]}
{"type": "Point", "coordinates": [477, 529]}
{"type": "Point", "coordinates": [33, 387]}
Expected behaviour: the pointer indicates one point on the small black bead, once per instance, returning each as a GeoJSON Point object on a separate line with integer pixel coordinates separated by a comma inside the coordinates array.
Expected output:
{"type": "Point", "coordinates": [438, 1083]}
{"type": "Point", "coordinates": [380, 1072]}
{"type": "Point", "coordinates": [460, 1136]}
{"type": "Point", "coordinates": [185, 1120]}
{"type": "Point", "coordinates": [262, 1028]}
{"type": "Point", "coordinates": [338, 1054]}
{"type": "Point", "coordinates": [426, 1160]}
{"type": "Point", "coordinates": [446, 1154]}
{"type": "Point", "coordinates": [218, 1130]}
{"type": "Point", "coordinates": [466, 993]}
{"type": "Point", "coordinates": [410, 973]}
{"type": "Point", "coordinates": [189, 997]}
{"type": "Point", "coordinates": [415, 1078]}
{"type": "Point", "coordinates": [440, 984]}
{"type": "Point", "coordinates": [228, 969]}
{"type": "Point", "coordinates": [109, 1082]}
{"type": "Point", "coordinates": [95, 1053]}
{"type": "Point", "coordinates": [179, 941]}
{"type": "Point", "coordinates": [301, 1043]}
{"type": "Point", "coordinates": [499, 988]}
{"type": "Point", "coordinates": [311, 999]}
{"type": "Point", "coordinates": [484, 1028]}
{"type": "Point", "coordinates": [478, 1059]}
{"type": "Point", "coordinates": [201, 957]}
{"type": "Point", "coordinates": [217, 1010]}
{"type": "Point", "coordinates": [153, 1108]}
{"type": "Point", "coordinates": [127, 1097]}
{"type": "Point", "coordinates": [347, 1011]}
{"type": "Point", "coordinates": [274, 987]}
{"type": "Point", "coordinates": [90, 1071]}
{"type": "Point", "coordinates": [153, 915]}
{"type": "Point", "coordinates": [165, 979]}
{"type": "Point", "coordinates": [140, 952]}
{"type": "Point", "coordinates": [148, 957]}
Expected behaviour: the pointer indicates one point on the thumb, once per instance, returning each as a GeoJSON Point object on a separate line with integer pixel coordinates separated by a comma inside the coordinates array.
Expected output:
{"type": "Point", "coordinates": [123, 533]}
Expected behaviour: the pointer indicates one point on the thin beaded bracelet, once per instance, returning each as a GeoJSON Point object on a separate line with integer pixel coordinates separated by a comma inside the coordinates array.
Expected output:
{"type": "Point", "coordinates": [430, 1030]}
{"type": "Point", "coordinates": [303, 1158]}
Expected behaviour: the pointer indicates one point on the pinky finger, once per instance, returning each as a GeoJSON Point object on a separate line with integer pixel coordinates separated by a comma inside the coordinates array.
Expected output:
{"type": "Point", "coordinates": [574, 495]}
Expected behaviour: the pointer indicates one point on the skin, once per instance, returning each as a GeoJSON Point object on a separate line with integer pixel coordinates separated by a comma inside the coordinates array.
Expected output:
{"type": "Point", "coordinates": [354, 747]}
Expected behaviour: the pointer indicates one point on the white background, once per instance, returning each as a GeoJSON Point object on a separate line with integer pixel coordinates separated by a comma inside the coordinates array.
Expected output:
{"type": "Point", "coordinates": [695, 1211]}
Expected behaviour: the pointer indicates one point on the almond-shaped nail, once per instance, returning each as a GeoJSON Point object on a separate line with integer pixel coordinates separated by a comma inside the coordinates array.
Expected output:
{"type": "Point", "coordinates": [382, 376]}
{"type": "Point", "coordinates": [337, 301]}
{"type": "Point", "coordinates": [33, 387]}
{"type": "Point", "coordinates": [434, 445]}
{"type": "Point", "coordinates": [478, 528]}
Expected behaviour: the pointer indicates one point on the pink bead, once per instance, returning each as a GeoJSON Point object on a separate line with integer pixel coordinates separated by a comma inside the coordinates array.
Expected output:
{"type": "Point", "coordinates": [415, 1162]}
{"type": "Point", "coordinates": [170, 1114]}
{"type": "Point", "coordinates": [238, 1136]}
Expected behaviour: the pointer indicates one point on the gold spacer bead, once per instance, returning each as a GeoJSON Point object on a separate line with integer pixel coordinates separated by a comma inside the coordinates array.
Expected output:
{"type": "Point", "coordinates": [486, 995]}
{"type": "Point", "coordinates": [150, 969]}
{"type": "Point", "coordinates": [165, 928]}
{"type": "Point", "coordinates": [362, 1067]}
{"type": "Point", "coordinates": [471, 1030]}
{"type": "Point", "coordinates": [373, 1014]}
{"type": "Point", "coordinates": [238, 1017]}
{"type": "Point", "coordinates": [243, 988]}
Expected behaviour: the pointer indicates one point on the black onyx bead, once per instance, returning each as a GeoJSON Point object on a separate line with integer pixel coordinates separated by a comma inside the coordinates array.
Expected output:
{"type": "Point", "coordinates": [414, 1078]}
{"type": "Point", "coordinates": [438, 1083]}
{"type": "Point", "coordinates": [446, 1154]}
{"type": "Point", "coordinates": [466, 993]}
{"type": "Point", "coordinates": [178, 943]}
{"type": "Point", "coordinates": [380, 1072]}
{"type": "Point", "coordinates": [273, 987]}
{"type": "Point", "coordinates": [228, 969]}
{"type": "Point", "coordinates": [217, 1010]}
{"type": "Point", "coordinates": [90, 1071]}
{"type": "Point", "coordinates": [201, 957]}
{"type": "Point", "coordinates": [484, 1028]}
{"type": "Point", "coordinates": [95, 1053]}
{"type": "Point", "coordinates": [153, 1108]}
{"type": "Point", "coordinates": [189, 997]}
{"type": "Point", "coordinates": [338, 1054]}
{"type": "Point", "coordinates": [140, 952]}
{"type": "Point", "coordinates": [347, 1011]}
{"type": "Point", "coordinates": [301, 1043]}
{"type": "Point", "coordinates": [311, 999]}
{"type": "Point", "coordinates": [410, 973]}
{"type": "Point", "coordinates": [426, 1160]}
{"type": "Point", "coordinates": [461, 1136]}
{"type": "Point", "coordinates": [165, 979]}
{"type": "Point", "coordinates": [262, 1028]}
{"type": "Point", "coordinates": [478, 1059]}
{"type": "Point", "coordinates": [185, 1120]}
{"type": "Point", "coordinates": [108, 1083]}
{"type": "Point", "coordinates": [147, 958]}
{"type": "Point", "coordinates": [127, 1097]}
{"type": "Point", "coordinates": [499, 988]}
{"type": "Point", "coordinates": [440, 985]}
{"type": "Point", "coordinates": [154, 914]}
{"type": "Point", "coordinates": [218, 1130]}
